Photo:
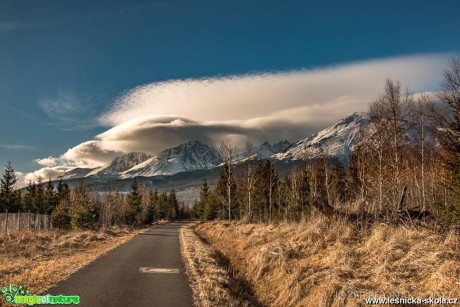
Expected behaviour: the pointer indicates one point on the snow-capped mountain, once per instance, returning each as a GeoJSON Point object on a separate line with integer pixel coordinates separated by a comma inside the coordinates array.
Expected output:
{"type": "Point", "coordinates": [339, 140]}
{"type": "Point", "coordinates": [185, 157]}
{"type": "Point", "coordinates": [196, 161]}
{"type": "Point", "coordinates": [120, 164]}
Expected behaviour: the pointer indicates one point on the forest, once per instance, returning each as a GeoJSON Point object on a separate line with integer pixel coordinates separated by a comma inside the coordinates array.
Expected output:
{"type": "Point", "coordinates": [407, 165]}
{"type": "Point", "coordinates": [84, 208]}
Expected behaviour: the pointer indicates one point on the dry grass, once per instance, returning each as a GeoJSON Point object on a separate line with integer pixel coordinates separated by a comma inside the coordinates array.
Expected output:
{"type": "Point", "coordinates": [324, 263]}
{"type": "Point", "coordinates": [37, 260]}
{"type": "Point", "coordinates": [212, 282]}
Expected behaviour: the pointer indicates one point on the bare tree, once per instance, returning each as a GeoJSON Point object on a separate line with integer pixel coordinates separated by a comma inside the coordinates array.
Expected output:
{"type": "Point", "coordinates": [388, 116]}
{"type": "Point", "coordinates": [421, 120]}
{"type": "Point", "coordinates": [227, 151]}
{"type": "Point", "coordinates": [250, 177]}
{"type": "Point", "coordinates": [448, 117]}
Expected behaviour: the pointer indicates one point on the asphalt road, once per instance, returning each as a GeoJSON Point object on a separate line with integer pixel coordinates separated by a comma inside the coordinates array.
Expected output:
{"type": "Point", "coordinates": [115, 279]}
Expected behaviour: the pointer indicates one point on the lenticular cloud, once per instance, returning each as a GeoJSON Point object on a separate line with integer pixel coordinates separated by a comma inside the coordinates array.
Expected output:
{"type": "Point", "coordinates": [247, 97]}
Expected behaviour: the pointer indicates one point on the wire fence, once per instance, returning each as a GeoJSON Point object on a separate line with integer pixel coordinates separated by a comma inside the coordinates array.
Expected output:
{"type": "Point", "coordinates": [14, 222]}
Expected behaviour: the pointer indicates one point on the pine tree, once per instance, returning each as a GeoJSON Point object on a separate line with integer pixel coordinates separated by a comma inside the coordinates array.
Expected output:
{"type": "Point", "coordinates": [151, 208]}
{"type": "Point", "coordinates": [63, 191]}
{"type": "Point", "coordinates": [173, 205]}
{"type": "Point", "coordinates": [8, 194]}
{"type": "Point", "coordinates": [133, 205]}
{"type": "Point", "coordinates": [50, 198]}
{"type": "Point", "coordinates": [34, 199]}
{"type": "Point", "coordinates": [40, 197]}
{"type": "Point", "coordinates": [265, 190]}
{"type": "Point", "coordinates": [212, 207]}
{"type": "Point", "coordinates": [163, 205]}
{"type": "Point", "coordinates": [85, 209]}
{"type": "Point", "coordinates": [29, 199]}
{"type": "Point", "coordinates": [60, 217]}
{"type": "Point", "coordinates": [201, 207]}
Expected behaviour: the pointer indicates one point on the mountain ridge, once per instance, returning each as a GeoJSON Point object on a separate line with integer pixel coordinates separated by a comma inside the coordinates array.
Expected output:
{"type": "Point", "coordinates": [338, 140]}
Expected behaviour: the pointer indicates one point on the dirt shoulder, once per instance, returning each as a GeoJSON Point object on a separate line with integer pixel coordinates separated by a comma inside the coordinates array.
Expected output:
{"type": "Point", "coordinates": [324, 263]}
{"type": "Point", "coordinates": [213, 281]}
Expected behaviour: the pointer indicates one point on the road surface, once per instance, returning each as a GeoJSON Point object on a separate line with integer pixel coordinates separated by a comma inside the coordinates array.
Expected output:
{"type": "Point", "coordinates": [116, 280]}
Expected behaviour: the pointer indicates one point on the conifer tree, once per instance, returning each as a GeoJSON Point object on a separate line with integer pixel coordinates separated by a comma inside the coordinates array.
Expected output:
{"type": "Point", "coordinates": [173, 205]}
{"type": "Point", "coordinates": [151, 208]}
{"type": "Point", "coordinates": [8, 194]}
{"type": "Point", "coordinates": [60, 217]}
{"type": "Point", "coordinates": [50, 198]}
{"type": "Point", "coordinates": [202, 206]}
{"type": "Point", "coordinates": [85, 209]}
{"type": "Point", "coordinates": [63, 191]}
{"type": "Point", "coordinates": [133, 205]}
{"type": "Point", "coordinates": [212, 207]}
{"type": "Point", "coordinates": [30, 197]}
{"type": "Point", "coordinates": [40, 202]}
{"type": "Point", "coordinates": [163, 205]}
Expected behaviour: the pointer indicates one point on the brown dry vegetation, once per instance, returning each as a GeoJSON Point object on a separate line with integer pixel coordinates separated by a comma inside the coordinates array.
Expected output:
{"type": "Point", "coordinates": [37, 260]}
{"type": "Point", "coordinates": [212, 282]}
{"type": "Point", "coordinates": [322, 263]}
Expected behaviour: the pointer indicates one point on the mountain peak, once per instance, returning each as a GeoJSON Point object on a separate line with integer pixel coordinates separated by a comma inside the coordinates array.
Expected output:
{"type": "Point", "coordinates": [120, 164]}
{"type": "Point", "coordinates": [338, 140]}
{"type": "Point", "coordinates": [188, 156]}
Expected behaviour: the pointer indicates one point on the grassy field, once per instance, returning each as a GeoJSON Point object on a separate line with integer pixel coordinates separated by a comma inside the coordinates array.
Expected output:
{"type": "Point", "coordinates": [324, 263]}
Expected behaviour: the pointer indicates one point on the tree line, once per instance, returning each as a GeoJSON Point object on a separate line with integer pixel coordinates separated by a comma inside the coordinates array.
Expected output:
{"type": "Point", "coordinates": [409, 159]}
{"type": "Point", "coordinates": [82, 207]}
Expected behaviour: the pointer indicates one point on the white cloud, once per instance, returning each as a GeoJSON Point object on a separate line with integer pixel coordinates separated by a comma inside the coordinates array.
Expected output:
{"type": "Point", "coordinates": [44, 173]}
{"type": "Point", "coordinates": [50, 161]}
{"type": "Point", "coordinates": [89, 154]}
{"type": "Point", "coordinates": [249, 96]}
{"type": "Point", "coordinates": [266, 107]}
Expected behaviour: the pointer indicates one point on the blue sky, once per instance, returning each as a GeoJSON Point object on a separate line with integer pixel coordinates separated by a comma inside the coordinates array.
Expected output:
{"type": "Point", "coordinates": [69, 69]}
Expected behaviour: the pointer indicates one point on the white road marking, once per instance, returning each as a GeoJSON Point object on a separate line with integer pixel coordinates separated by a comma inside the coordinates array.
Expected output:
{"type": "Point", "coordinates": [158, 270]}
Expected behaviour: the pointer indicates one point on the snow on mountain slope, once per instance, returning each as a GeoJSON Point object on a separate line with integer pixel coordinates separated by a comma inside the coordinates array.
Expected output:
{"type": "Point", "coordinates": [339, 140]}
{"type": "Point", "coordinates": [120, 164]}
{"type": "Point", "coordinates": [76, 173]}
{"type": "Point", "coordinates": [185, 157]}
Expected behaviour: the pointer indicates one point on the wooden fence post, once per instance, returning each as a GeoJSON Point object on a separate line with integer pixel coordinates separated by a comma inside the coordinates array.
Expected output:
{"type": "Point", "coordinates": [6, 220]}
{"type": "Point", "coordinates": [19, 220]}
{"type": "Point", "coordinates": [28, 220]}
